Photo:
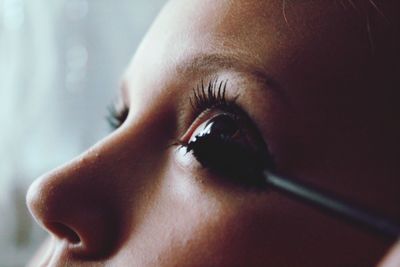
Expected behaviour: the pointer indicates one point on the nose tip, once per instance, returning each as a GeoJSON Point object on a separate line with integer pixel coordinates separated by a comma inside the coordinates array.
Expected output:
{"type": "Point", "coordinates": [34, 201]}
{"type": "Point", "coordinates": [39, 206]}
{"type": "Point", "coordinates": [72, 216]}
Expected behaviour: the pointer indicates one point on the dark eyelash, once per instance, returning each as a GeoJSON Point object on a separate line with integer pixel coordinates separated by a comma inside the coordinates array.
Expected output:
{"type": "Point", "coordinates": [211, 96]}
{"type": "Point", "coordinates": [115, 117]}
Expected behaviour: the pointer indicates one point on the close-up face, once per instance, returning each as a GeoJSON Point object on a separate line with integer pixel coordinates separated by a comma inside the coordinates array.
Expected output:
{"type": "Point", "coordinates": [217, 91]}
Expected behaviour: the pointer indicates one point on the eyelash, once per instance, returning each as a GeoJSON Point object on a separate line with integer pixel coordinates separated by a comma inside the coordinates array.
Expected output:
{"type": "Point", "coordinates": [247, 162]}
{"type": "Point", "coordinates": [116, 117]}
{"type": "Point", "coordinates": [203, 99]}
{"type": "Point", "coordinates": [213, 98]}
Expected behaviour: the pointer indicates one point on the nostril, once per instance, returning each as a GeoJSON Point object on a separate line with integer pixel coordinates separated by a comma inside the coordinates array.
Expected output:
{"type": "Point", "coordinates": [64, 232]}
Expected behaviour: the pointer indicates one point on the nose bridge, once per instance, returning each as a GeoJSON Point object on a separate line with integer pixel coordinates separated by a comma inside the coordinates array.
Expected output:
{"type": "Point", "coordinates": [79, 202]}
{"type": "Point", "coordinates": [55, 194]}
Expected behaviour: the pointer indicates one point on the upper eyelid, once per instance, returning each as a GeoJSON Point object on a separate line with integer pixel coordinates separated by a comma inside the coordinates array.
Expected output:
{"type": "Point", "coordinates": [204, 96]}
{"type": "Point", "coordinates": [213, 95]}
{"type": "Point", "coordinates": [212, 88]}
{"type": "Point", "coordinates": [238, 62]}
{"type": "Point", "coordinates": [219, 100]}
{"type": "Point", "coordinates": [227, 104]}
{"type": "Point", "coordinates": [123, 94]}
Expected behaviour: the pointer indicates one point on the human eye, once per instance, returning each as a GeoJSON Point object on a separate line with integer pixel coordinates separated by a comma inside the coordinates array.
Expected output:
{"type": "Point", "coordinates": [117, 115]}
{"type": "Point", "coordinates": [223, 138]}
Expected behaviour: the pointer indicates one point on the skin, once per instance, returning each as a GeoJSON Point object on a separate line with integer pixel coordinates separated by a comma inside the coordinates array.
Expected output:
{"type": "Point", "coordinates": [393, 257]}
{"type": "Point", "coordinates": [321, 93]}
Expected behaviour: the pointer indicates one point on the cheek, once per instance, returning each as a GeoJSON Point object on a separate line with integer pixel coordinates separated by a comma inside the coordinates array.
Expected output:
{"type": "Point", "coordinates": [210, 223]}
{"type": "Point", "coordinates": [190, 221]}
{"type": "Point", "coordinates": [193, 220]}
{"type": "Point", "coordinates": [199, 227]}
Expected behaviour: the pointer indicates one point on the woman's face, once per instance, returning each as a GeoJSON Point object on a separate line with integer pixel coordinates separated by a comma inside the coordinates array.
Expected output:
{"type": "Point", "coordinates": [313, 79]}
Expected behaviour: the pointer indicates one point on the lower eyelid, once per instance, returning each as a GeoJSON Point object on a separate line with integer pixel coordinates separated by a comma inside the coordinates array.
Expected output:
{"type": "Point", "coordinates": [188, 164]}
{"type": "Point", "coordinates": [185, 160]}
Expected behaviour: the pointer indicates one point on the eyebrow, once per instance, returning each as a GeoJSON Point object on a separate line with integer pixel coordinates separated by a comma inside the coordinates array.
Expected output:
{"type": "Point", "coordinates": [216, 61]}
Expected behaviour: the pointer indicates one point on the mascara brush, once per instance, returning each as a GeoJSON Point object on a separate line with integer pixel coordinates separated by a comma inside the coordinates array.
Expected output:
{"type": "Point", "coordinates": [237, 162]}
{"type": "Point", "coordinates": [333, 205]}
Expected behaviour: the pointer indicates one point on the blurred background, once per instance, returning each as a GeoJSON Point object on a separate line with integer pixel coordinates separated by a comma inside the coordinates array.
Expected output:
{"type": "Point", "coordinates": [60, 65]}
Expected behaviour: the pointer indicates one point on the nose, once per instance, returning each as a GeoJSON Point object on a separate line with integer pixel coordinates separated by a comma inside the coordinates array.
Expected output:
{"type": "Point", "coordinates": [73, 204]}
{"type": "Point", "coordinates": [91, 204]}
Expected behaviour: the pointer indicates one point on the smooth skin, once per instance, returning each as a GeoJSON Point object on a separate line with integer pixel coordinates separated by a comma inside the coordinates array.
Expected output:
{"type": "Point", "coordinates": [393, 257]}
{"type": "Point", "coordinates": [316, 77]}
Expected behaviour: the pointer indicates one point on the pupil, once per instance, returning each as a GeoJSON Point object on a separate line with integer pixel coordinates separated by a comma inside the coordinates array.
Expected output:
{"type": "Point", "coordinates": [222, 125]}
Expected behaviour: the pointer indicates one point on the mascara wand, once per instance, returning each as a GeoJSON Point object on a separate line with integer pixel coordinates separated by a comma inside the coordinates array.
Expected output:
{"type": "Point", "coordinates": [333, 205]}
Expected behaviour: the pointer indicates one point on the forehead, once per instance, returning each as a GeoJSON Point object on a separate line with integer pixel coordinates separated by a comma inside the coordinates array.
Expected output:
{"type": "Point", "coordinates": [266, 32]}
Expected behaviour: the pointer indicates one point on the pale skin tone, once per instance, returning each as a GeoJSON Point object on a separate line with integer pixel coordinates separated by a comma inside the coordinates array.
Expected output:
{"type": "Point", "coordinates": [393, 257]}
{"type": "Point", "coordinates": [320, 93]}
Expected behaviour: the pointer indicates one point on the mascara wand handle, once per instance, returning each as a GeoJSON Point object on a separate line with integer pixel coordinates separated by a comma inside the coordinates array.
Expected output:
{"type": "Point", "coordinates": [333, 205]}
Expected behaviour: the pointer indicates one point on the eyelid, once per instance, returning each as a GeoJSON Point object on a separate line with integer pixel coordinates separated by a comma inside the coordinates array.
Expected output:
{"type": "Point", "coordinates": [214, 95]}
{"type": "Point", "coordinates": [200, 119]}
{"type": "Point", "coordinates": [207, 102]}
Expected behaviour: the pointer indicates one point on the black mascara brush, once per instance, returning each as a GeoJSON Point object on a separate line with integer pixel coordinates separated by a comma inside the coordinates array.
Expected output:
{"type": "Point", "coordinates": [214, 149]}
{"type": "Point", "coordinates": [333, 205]}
